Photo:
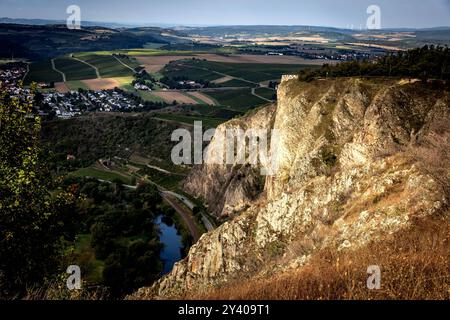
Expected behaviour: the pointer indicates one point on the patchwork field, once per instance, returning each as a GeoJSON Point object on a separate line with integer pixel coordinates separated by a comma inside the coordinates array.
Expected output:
{"type": "Point", "coordinates": [203, 98]}
{"type": "Point", "coordinates": [190, 70]}
{"type": "Point", "coordinates": [108, 66]}
{"type": "Point", "coordinates": [235, 73]}
{"type": "Point", "coordinates": [157, 63]}
{"type": "Point", "coordinates": [247, 58]}
{"type": "Point", "coordinates": [171, 96]}
{"type": "Point", "coordinates": [74, 70]}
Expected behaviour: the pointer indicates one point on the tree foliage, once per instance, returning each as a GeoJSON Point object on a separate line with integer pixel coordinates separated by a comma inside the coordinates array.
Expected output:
{"type": "Point", "coordinates": [31, 218]}
{"type": "Point", "coordinates": [428, 62]}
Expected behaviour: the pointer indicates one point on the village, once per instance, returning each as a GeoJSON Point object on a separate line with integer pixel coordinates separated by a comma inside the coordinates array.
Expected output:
{"type": "Point", "coordinates": [50, 103]}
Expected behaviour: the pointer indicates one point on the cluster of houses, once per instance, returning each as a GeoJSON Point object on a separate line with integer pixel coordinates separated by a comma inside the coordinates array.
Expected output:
{"type": "Point", "coordinates": [10, 78]}
{"type": "Point", "coordinates": [64, 105]}
{"type": "Point", "coordinates": [111, 100]}
{"type": "Point", "coordinates": [67, 105]}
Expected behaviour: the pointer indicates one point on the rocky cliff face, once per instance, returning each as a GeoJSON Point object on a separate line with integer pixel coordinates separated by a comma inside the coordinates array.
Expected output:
{"type": "Point", "coordinates": [356, 159]}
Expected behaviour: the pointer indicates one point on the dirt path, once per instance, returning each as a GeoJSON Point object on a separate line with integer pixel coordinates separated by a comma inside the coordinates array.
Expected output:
{"type": "Point", "coordinates": [124, 64]}
{"type": "Point", "coordinates": [97, 73]}
{"type": "Point", "coordinates": [60, 72]}
{"type": "Point", "coordinates": [185, 214]}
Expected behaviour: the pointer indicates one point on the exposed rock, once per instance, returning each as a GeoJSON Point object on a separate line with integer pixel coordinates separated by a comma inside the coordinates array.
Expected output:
{"type": "Point", "coordinates": [352, 167]}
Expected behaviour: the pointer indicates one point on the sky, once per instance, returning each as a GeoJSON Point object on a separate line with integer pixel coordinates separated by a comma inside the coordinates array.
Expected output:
{"type": "Point", "coordinates": [335, 13]}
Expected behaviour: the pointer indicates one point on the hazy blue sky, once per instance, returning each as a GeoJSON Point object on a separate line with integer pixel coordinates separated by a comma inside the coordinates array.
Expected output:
{"type": "Point", "coordinates": [339, 13]}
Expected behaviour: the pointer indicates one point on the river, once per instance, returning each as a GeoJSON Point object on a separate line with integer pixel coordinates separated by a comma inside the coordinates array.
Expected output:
{"type": "Point", "coordinates": [171, 252]}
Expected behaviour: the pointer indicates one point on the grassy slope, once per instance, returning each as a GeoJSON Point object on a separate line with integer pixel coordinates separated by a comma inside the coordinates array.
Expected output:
{"type": "Point", "coordinates": [108, 66]}
{"type": "Point", "coordinates": [414, 265]}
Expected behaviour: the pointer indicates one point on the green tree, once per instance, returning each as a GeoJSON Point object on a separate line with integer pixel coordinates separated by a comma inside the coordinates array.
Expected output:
{"type": "Point", "coordinates": [31, 218]}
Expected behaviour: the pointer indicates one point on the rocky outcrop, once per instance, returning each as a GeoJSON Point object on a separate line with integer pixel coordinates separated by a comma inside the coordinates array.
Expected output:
{"type": "Point", "coordinates": [356, 160]}
{"type": "Point", "coordinates": [229, 189]}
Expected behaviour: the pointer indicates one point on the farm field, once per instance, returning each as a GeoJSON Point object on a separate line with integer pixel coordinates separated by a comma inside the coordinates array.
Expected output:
{"type": "Point", "coordinates": [239, 100]}
{"type": "Point", "coordinates": [156, 62]}
{"type": "Point", "coordinates": [107, 66]}
{"type": "Point", "coordinates": [42, 72]}
{"type": "Point", "coordinates": [203, 98]}
{"type": "Point", "coordinates": [145, 95]}
{"type": "Point", "coordinates": [171, 96]}
{"type": "Point", "coordinates": [255, 72]}
{"type": "Point", "coordinates": [73, 69]}
{"type": "Point", "coordinates": [263, 59]}
{"type": "Point", "coordinates": [93, 84]}
{"type": "Point", "coordinates": [188, 69]}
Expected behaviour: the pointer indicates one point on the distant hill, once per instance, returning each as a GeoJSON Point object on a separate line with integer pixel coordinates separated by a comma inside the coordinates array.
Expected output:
{"type": "Point", "coordinates": [45, 41]}
{"type": "Point", "coordinates": [53, 22]}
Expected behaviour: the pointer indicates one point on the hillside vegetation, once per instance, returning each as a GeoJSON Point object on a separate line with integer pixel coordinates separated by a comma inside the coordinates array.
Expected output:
{"type": "Point", "coordinates": [428, 62]}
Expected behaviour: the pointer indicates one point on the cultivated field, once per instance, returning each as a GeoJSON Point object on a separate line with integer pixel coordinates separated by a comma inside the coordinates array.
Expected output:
{"type": "Point", "coordinates": [244, 58]}
{"type": "Point", "coordinates": [42, 72]}
{"type": "Point", "coordinates": [203, 98]}
{"type": "Point", "coordinates": [171, 96]}
{"type": "Point", "coordinates": [252, 73]}
{"type": "Point", "coordinates": [74, 70]}
{"type": "Point", "coordinates": [107, 66]}
{"type": "Point", "coordinates": [157, 63]}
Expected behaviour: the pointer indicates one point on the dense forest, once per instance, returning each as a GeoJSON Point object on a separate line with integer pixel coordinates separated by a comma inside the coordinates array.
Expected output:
{"type": "Point", "coordinates": [428, 62]}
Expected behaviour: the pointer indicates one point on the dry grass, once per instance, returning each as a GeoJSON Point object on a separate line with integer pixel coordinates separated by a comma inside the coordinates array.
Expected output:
{"type": "Point", "coordinates": [57, 290]}
{"type": "Point", "coordinates": [414, 265]}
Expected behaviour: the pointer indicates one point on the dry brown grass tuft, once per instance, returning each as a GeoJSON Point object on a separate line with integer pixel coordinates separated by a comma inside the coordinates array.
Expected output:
{"type": "Point", "coordinates": [414, 265]}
